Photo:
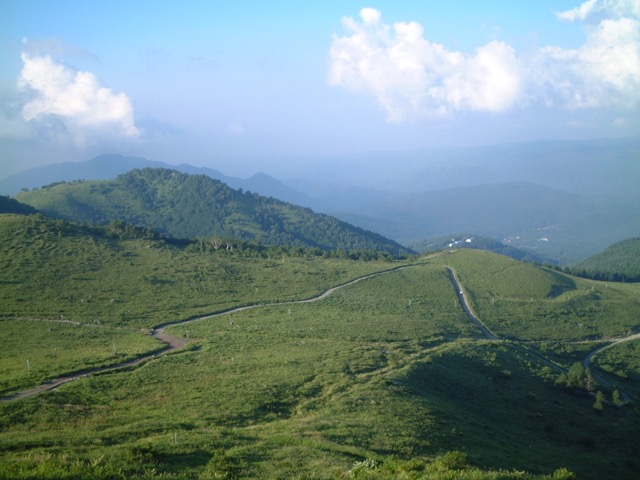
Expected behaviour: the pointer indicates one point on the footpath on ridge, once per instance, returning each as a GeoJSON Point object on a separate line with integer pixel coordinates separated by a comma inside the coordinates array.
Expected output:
{"type": "Point", "coordinates": [462, 296]}
{"type": "Point", "coordinates": [173, 343]}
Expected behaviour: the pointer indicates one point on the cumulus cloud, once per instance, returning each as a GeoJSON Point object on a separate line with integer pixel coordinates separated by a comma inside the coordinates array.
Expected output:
{"type": "Point", "coordinates": [601, 8]}
{"type": "Point", "coordinates": [411, 77]}
{"type": "Point", "coordinates": [603, 72]}
{"type": "Point", "coordinates": [578, 13]}
{"type": "Point", "coordinates": [76, 99]}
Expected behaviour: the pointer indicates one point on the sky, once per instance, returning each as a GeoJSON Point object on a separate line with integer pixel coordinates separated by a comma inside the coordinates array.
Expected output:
{"type": "Point", "coordinates": [271, 86]}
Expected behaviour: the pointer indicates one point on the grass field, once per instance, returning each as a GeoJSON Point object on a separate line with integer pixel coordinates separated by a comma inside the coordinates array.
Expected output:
{"type": "Point", "coordinates": [385, 378]}
{"type": "Point", "coordinates": [34, 350]}
{"type": "Point", "coordinates": [518, 301]}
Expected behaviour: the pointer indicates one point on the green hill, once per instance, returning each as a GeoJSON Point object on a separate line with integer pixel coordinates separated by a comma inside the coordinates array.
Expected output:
{"type": "Point", "coordinates": [189, 206]}
{"type": "Point", "coordinates": [619, 262]}
{"type": "Point", "coordinates": [383, 378]}
{"type": "Point", "coordinates": [466, 240]}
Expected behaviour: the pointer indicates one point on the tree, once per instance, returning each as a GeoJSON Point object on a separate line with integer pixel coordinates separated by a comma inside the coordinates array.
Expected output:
{"type": "Point", "coordinates": [562, 379]}
{"type": "Point", "coordinates": [598, 405]}
{"type": "Point", "coordinates": [576, 376]}
{"type": "Point", "coordinates": [617, 398]}
{"type": "Point", "coordinates": [589, 382]}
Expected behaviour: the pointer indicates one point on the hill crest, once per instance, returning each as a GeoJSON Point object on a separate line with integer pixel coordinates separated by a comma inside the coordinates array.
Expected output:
{"type": "Point", "coordinates": [189, 206]}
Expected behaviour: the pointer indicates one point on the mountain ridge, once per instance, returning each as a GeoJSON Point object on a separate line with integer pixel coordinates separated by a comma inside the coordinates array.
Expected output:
{"type": "Point", "coordinates": [108, 166]}
{"type": "Point", "coordinates": [583, 195]}
{"type": "Point", "coordinates": [189, 206]}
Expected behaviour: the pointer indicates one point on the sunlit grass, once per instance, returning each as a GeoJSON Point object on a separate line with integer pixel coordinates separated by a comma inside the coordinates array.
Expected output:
{"type": "Point", "coordinates": [34, 351]}
{"type": "Point", "coordinates": [387, 371]}
{"type": "Point", "coordinates": [518, 300]}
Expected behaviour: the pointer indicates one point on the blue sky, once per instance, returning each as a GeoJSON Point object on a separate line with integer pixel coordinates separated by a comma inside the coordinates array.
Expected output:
{"type": "Point", "coordinates": [257, 85]}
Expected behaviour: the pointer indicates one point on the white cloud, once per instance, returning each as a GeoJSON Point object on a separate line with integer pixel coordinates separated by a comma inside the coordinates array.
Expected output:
{"type": "Point", "coordinates": [602, 8]}
{"type": "Point", "coordinates": [87, 110]}
{"type": "Point", "coordinates": [603, 72]}
{"type": "Point", "coordinates": [578, 13]}
{"type": "Point", "coordinates": [411, 77]}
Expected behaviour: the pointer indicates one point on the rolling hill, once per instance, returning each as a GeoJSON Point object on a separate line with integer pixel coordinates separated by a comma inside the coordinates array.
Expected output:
{"type": "Point", "coordinates": [385, 377]}
{"type": "Point", "coordinates": [467, 240]}
{"type": "Point", "coordinates": [189, 206]}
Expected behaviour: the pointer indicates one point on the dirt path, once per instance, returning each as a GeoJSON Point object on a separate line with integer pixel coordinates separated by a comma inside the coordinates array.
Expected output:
{"type": "Point", "coordinates": [587, 363]}
{"type": "Point", "coordinates": [491, 336]}
{"type": "Point", "coordinates": [462, 296]}
{"type": "Point", "coordinates": [172, 343]}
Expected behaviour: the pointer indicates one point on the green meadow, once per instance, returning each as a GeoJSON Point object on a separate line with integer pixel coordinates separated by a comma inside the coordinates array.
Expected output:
{"type": "Point", "coordinates": [384, 378]}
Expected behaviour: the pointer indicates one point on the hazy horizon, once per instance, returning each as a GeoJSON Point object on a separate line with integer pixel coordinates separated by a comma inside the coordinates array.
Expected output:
{"type": "Point", "coordinates": [262, 86]}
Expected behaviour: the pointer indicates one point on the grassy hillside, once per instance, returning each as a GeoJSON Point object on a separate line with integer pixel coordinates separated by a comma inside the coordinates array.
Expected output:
{"type": "Point", "coordinates": [54, 269]}
{"type": "Point", "coordinates": [385, 378]}
{"type": "Point", "coordinates": [189, 206]}
{"type": "Point", "coordinates": [619, 262]}
{"type": "Point", "coordinates": [523, 301]}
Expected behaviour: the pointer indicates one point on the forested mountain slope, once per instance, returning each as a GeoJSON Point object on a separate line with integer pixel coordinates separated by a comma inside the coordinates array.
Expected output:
{"type": "Point", "coordinates": [190, 206]}
{"type": "Point", "coordinates": [9, 205]}
{"type": "Point", "coordinates": [620, 261]}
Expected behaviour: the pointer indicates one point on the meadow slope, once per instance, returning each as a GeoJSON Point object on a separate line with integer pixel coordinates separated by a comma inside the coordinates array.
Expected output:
{"type": "Point", "coordinates": [383, 376]}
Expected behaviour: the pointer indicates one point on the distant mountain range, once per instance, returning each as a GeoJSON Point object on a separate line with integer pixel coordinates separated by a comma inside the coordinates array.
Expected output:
{"type": "Point", "coordinates": [109, 166]}
{"type": "Point", "coordinates": [561, 201]}
{"type": "Point", "coordinates": [196, 206]}
{"type": "Point", "coordinates": [559, 226]}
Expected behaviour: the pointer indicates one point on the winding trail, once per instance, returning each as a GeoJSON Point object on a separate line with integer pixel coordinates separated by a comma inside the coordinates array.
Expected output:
{"type": "Point", "coordinates": [173, 343]}
{"type": "Point", "coordinates": [462, 296]}
{"type": "Point", "coordinates": [626, 398]}
{"type": "Point", "coordinates": [587, 363]}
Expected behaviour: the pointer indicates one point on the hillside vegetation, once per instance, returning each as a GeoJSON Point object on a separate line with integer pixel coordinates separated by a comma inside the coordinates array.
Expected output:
{"type": "Point", "coordinates": [9, 205]}
{"type": "Point", "coordinates": [190, 206]}
{"type": "Point", "coordinates": [384, 378]}
{"type": "Point", "coordinates": [619, 262]}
